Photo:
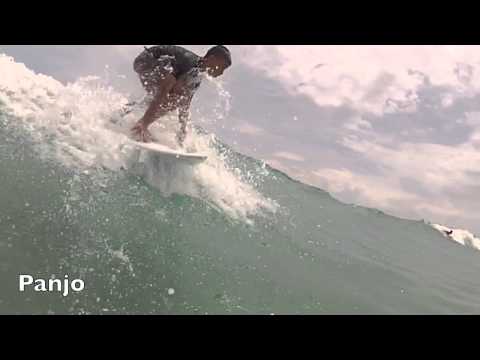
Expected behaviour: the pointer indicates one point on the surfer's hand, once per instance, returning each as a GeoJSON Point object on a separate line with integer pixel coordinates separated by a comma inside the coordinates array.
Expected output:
{"type": "Point", "coordinates": [141, 130]}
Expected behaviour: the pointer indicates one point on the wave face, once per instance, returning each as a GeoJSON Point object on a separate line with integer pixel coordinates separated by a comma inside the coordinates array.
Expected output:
{"type": "Point", "coordinates": [229, 236]}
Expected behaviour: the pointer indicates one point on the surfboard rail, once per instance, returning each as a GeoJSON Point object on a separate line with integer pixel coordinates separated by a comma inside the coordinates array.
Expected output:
{"type": "Point", "coordinates": [165, 150]}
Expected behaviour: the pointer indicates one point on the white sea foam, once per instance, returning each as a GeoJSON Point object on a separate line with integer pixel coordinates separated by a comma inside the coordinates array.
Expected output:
{"type": "Point", "coordinates": [461, 236]}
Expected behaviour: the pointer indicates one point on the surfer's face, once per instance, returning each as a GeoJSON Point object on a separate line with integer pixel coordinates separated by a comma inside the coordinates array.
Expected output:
{"type": "Point", "coordinates": [215, 65]}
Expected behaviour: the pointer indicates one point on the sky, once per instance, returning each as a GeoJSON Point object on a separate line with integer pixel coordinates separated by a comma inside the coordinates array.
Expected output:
{"type": "Point", "coordinates": [395, 128]}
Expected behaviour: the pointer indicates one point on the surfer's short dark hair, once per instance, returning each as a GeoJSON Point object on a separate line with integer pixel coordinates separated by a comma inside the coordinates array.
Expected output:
{"type": "Point", "coordinates": [221, 51]}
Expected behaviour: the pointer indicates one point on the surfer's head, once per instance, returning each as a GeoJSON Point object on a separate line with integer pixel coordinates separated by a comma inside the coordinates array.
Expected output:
{"type": "Point", "coordinates": [217, 59]}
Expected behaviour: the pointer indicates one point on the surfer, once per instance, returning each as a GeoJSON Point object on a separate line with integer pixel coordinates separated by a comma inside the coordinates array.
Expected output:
{"type": "Point", "coordinates": [171, 75]}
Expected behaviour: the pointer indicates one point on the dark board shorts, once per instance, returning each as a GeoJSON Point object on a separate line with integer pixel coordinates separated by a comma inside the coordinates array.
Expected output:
{"type": "Point", "coordinates": [152, 71]}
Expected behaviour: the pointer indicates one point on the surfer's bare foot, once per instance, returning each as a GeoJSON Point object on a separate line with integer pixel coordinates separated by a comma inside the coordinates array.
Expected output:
{"type": "Point", "coordinates": [140, 130]}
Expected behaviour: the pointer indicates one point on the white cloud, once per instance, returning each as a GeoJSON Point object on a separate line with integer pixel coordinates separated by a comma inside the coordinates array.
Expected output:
{"type": "Point", "coordinates": [437, 168]}
{"type": "Point", "coordinates": [357, 124]}
{"type": "Point", "coordinates": [128, 50]}
{"type": "Point", "coordinates": [384, 192]}
{"type": "Point", "coordinates": [289, 156]}
{"type": "Point", "coordinates": [249, 129]}
{"type": "Point", "coordinates": [371, 190]}
{"type": "Point", "coordinates": [367, 77]}
{"type": "Point", "coordinates": [435, 165]}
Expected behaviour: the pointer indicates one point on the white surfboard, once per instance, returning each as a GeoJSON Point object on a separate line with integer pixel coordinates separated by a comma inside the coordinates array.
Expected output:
{"type": "Point", "coordinates": [168, 152]}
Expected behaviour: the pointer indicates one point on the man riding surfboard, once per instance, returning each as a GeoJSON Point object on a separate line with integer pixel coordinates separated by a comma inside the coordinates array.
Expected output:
{"type": "Point", "coordinates": [171, 75]}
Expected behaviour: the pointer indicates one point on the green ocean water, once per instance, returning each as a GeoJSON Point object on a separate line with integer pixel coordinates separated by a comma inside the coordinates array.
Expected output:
{"type": "Point", "coordinates": [141, 252]}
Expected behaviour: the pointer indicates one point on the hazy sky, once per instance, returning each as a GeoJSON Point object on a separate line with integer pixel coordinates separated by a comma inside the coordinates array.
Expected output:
{"type": "Point", "coordinates": [391, 127]}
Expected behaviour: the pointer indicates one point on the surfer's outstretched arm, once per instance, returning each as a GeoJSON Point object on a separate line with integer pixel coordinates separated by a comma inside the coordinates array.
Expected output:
{"type": "Point", "coordinates": [157, 108]}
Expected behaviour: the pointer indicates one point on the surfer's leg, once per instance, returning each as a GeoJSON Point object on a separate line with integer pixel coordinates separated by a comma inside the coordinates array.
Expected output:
{"type": "Point", "coordinates": [157, 82]}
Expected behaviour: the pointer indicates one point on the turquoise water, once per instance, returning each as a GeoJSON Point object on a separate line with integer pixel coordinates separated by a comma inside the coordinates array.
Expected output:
{"type": "Point", "coordinates": [140, 252]}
